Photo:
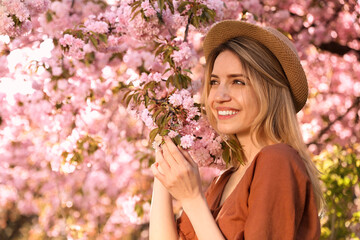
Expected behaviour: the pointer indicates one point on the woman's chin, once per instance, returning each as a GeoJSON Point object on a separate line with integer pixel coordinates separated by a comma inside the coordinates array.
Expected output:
{"type": "Point", "coordinates": [228, 130]}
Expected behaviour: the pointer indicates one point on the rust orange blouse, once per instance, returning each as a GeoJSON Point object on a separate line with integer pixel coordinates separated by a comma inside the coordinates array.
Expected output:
{"type": "Point", "coordinates": [273, 200]}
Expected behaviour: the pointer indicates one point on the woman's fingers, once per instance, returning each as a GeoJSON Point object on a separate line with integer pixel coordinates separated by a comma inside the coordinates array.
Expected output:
{"type": "Point", "coordinates": [187, 156]}
{"type": "Point", "coordinates": [173, 152]}
{"type": "Point", "coordinates": [155, 170]}
{"type": "Point", "coordinates": [163, 164]}
{"type": "Point", "coordinates": [176, 170]}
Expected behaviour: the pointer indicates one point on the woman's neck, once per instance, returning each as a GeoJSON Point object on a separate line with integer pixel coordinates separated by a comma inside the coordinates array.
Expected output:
{"type": "Point", "coordinates": [250, 146]}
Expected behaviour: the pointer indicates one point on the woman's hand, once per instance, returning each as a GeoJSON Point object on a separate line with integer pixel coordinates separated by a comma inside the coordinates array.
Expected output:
{"type": "Point", "coordinates": [177, 171]}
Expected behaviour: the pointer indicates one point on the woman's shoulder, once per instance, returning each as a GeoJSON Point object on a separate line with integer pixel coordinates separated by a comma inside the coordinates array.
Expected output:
{"type": "Point", "coordinates": [280, 156]}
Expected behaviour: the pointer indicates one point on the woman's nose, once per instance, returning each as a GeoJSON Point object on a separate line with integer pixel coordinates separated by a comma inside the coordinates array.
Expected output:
{"type": "Point", "coordinates": [222, 94]}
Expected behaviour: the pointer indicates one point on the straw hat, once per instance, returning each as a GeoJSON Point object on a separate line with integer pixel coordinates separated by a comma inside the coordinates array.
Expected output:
{"type": "Point", "coordinates": [275, 41]}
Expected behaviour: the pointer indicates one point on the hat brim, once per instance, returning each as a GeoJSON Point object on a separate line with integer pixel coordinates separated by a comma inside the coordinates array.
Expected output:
{"type": "Point", "coordinates": [275, 41]}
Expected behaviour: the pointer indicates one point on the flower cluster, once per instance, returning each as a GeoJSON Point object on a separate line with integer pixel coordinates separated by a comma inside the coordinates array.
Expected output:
{"type": "Point", "coordinates": [73, 46]}
{"type": "Point", "coordinates": [15, 15]}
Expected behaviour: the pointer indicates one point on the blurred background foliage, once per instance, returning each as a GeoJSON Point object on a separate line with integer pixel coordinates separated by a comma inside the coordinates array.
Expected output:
{"type": "Point", "coordinates": [340, 171]}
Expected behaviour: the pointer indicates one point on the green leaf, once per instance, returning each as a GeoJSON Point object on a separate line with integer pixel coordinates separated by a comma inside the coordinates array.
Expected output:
{"type": "Point", "coordinates": [177, 81]}
{"type": "Point", "coordinates": [139, 210]}
{"type": "Point", "coordinates": [128, 99]}
{"type": "Point", "coordinates": [167, 120]}
{"type": "Point", "coordinates": [116, 55]}
{"type": "Point", "coordinates": [103, 37]}
{"type": "Point", "coordinates": [93, 41]}
{"type": "Point", "coordinates": [149, 85]}
{"type": "Point", "coordinates": [169, 80]}
{"type": "Point", "coordinates": [126, 94]}
{"type": "Point", "coordinates": [153, 134]}
{"type": "Point", "coordinates": [135, 5]}
{"type": "Point", "coordinates": [177, 140]}
{"type": "Point", "coordinates": [135, 14]}
{"type": "Point", "coordinates": [168, 69]}
{"type": "Point", "coordinates": [136, 98]}
{"type": "Point", "coordinates": [157, 113]}
{"type": "Point", "coordinates": [183, 81]}
{"type": "Point", "coordinates": [226, 154]}
{"type": "Point", "coordinates": [182, 6]}
{"type": "Point", "coordinates": [187, 70]}
{"type": "Point", "coordinates": [49, 17]}
{"type": "Point", "coordinates": [164, 132]}
{"type": "Point", "coordinates": [162, 119]}
{"type": "Point", "coordinates": [79, 34]}
{"type": "Point", "coordinates": [195, 21]}
{"type": "Point", "coordinates": [77, 158]}
{"type": "Point", "coordinates": [161, 5]}
{"type": "Point", "coordinates": [167, 54]}
{"type": "Point", "coordinates": [159, 50]}
{"type": "Point", "coordinates": [89, 58]}
{"type": "Point", "coordinates": [64, 154]}
{"type": "Point", "coordinates": [171, 5]}
{"type": "Point", "coordinates": [146, 100]}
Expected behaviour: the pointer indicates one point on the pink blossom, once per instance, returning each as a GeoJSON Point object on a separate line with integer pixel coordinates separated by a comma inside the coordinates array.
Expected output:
{"type": "Point", "coordinates": [146, 118]}
{"type": "Point", "coordinates": [175, 99]}
{"type": "Point", "coordinates": [297, 9]}
{"type": "Point", "coordinates": [157, 77]}
{"type": "Point", "coordinates": [216, 5]}
{"type": "Point", "coordinates": [110, 16]}
{"type": "Point", "coordinates": [4, 66]}
{"type": "Point", "coordinates": [75, 45]}
{"type": "Point", "coordinates": [66, 40]}
{"type": "Point", "coordinates": [172, 134]}
{"type": "Point", "coordinates": [184, 56]}
{"type": "Point", "coordinates": [148, 9]}
{"type": "Point", "coordinates": [188, 102]}
{"type": "Point", "coordinates": [37, 6]}
{"type": "Point", "coordinates": [8, 194]}
{"type": "Point", "coordinates": [187, 141]}
{"type": "Point", "coordinates": [97, 26]}
{"type": "Point", "coordinates": [16, 7]}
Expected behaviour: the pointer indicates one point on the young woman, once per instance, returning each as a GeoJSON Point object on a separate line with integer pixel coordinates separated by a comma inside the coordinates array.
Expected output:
{"type": "Point", "coordinates": [254, 86]}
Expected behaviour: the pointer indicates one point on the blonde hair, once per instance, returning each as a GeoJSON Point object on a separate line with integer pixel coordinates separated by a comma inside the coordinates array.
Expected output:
{"type": "Point", "coordinates": [276, 120]}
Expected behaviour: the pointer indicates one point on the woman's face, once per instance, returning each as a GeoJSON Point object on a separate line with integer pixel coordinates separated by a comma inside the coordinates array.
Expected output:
{"type": "Point", "coordinates": [232, 98]}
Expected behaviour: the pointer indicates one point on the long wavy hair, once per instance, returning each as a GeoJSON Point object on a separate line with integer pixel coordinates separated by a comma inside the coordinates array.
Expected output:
{"type": "Point", "coordinates": [276, 120]}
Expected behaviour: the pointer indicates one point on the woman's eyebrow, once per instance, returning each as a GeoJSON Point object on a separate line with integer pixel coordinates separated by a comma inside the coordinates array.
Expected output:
{"type": "Point", "coordinates": [231, 76]}
{"type": "Point", "coordinates": [237, 75]}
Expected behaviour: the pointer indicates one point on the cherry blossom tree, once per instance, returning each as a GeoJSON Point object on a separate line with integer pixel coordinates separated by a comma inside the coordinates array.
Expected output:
{"type": "Point", "coordinates": [88, 86]}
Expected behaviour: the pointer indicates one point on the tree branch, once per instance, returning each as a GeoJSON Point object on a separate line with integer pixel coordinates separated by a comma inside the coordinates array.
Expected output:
{"type": "Point", "coordinates": [337, 48]}
{"type": "Point", "coordinates": [187, 27]}
{"type": "Point", "coordinates": [339, 118]}
{"type": "Point", "coordinates": [332, 47]}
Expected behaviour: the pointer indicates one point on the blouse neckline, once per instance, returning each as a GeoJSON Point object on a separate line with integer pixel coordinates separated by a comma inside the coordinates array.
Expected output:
{"type": "Point", "coordinates": [224, 178]}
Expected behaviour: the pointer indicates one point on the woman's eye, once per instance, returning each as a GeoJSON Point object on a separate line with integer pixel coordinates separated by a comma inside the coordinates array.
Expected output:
{"type": "Point", "coordinates": [238, 82]}
{"type": "Point", "coordinates": [213, 82]}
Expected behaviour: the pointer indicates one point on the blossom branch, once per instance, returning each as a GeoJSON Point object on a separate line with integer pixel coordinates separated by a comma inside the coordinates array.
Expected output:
{"type": "Point", "coordinates": [356, 104]}
{"type": "Point", "coordinates": [338, 49]}
{"type": "Point", "coordinates": [187, 27]}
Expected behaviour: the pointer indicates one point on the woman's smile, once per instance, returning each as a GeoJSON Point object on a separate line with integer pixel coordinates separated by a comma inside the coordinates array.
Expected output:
{"type": "Point", "coordinates": [226, 113]}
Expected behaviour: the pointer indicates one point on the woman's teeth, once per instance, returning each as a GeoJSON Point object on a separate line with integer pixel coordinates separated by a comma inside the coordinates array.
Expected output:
{"type": "Point", "coordinates": [226, 113]}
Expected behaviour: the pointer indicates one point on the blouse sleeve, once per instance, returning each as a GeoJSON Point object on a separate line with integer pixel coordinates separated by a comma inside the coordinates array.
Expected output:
{"type": "Point", "coordinates": [278, 195]}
